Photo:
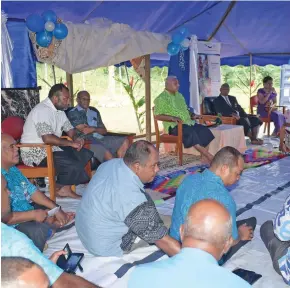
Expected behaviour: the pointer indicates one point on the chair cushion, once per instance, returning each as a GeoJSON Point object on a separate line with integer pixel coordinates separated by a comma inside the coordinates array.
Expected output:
{"type": "Point", "coordinates": [13, 126]}
{"type": "Point", "coordinates": [208, 106]}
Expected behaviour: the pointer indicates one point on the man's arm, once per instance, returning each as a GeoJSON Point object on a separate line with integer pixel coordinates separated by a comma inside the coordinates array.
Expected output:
{"type": "Point", "coordinates": [40, 198]}
{"type": "Point", "coordinates": [72, 281]}
{"type": "Point", "coordinates": [169, 245]}
{"type": "Point", "coordinates": [19, 217]}
{"type": "Point", "coordinates": [55, 141]}
{"type": "Point", "coordinates": [241, 111]}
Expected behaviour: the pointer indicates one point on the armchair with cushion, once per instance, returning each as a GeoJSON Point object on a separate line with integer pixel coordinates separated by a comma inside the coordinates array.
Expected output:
{"type": "Point", "coordinates": [13, 126]}
{"type": "Point", "coordinates": [267, 120]}
{"type": "Point", "coordinates": [162, 137]}
{"type": "Point", "coordinates": [209, 114]}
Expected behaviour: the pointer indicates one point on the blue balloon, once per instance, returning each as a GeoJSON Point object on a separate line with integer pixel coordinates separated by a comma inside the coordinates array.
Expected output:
{"type": "Point", "coordinates": [60, 31]}
{"type": "Point", "coordinates": [177, 38]}
{"type": "Point", "coordinates": [173, 49]}
{"type": "Point", "coordinates": [44, 38]}
{"type": "Point", "coordinates": [35, 23]}
{"type": "Point", "coordinates": [49, 16]}
{"type": "Point", "coordinates": [184, 31]}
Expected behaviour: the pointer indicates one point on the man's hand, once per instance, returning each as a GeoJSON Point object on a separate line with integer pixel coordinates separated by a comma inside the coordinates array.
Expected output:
{"type": "Point", "coordinates": [236, 116]}
{"type": "Point", "coordinates": [81, 127]}
{"type": "Point", "coordinates": [175, 119]}
{"type": "Point", "coordinates": [246, 232]}
{"type": "Point", "coordinates": [63, 218]}
{"type": "Point", "coordinates": [54, 257]}
{"type": "Point", "coordinates": [78, 143]}
{"type": "Point", "coordinates": [40, 215]}
{"type": "Point", "coordinates": [88, 130]}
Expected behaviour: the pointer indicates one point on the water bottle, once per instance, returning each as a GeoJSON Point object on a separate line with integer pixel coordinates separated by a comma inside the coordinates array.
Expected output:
{"type": "Point", "coordinates": [25, 191]}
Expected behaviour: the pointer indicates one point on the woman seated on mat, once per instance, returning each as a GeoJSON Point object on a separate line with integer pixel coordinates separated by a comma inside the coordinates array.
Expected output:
{"type": "Point", "coordinates": [267, 98]}
{"type": "Point", "coordinates": [170, 106]}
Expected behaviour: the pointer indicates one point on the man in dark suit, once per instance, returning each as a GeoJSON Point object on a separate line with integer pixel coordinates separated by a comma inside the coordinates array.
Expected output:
{"type": "Point", "coordinates": [228, 106]}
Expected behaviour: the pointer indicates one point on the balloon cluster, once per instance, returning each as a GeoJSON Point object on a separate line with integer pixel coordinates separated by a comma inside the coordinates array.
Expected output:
{"type": "Point", "coordinates": [46, 26]}
{"type": "Point", "coordinates": [179, 42]}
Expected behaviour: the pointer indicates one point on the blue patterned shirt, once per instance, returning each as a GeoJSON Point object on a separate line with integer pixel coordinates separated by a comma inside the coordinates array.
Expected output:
{"type": "Point", "coordinates": [16, 244]}
{"type": "Point", "coordinates": [197, 187]}
{"type": "Point", "coordinates": [282, 231]}
{"type": "Point", "coordinates": [20, 201]}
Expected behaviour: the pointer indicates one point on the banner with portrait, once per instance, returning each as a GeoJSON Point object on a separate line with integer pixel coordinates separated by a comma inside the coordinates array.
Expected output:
{"type": "Point", "coordinates": [208, 67]}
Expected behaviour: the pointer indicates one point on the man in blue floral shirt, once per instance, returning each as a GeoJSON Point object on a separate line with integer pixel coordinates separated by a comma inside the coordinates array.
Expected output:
{"type": "Point", "coordinates": [25, 198]}
{"type": "Point", "coordinates": [276, 237]}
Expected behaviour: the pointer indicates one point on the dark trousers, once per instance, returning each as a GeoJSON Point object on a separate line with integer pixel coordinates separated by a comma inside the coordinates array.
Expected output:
{"type": "Point", "coordinates": [69, 165]}
{"type": "Point", "coordinates": [250, 222]}
{"type": "Point", "coordinates": [276, 248]}
{"type": "Point", "coordinates": [249, 122]}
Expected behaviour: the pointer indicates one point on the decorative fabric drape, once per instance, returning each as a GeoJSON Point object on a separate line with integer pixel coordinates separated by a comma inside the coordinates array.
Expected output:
{"type": "Point", "coordinates": [6, 56]}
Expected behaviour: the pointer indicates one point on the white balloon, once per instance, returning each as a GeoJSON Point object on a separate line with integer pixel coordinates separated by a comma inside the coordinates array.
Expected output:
{"type": "Point", "coordinates": [49, 26]}
{"type": "Point", "coordinates": [185, 43]}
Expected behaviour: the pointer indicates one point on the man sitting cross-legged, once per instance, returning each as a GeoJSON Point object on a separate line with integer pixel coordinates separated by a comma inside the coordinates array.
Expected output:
{"type": "Point", "coordinates": [276, 237]}
{"type": "Point", "coordinates": [25, 217]}
{"type": "Point", "coordinates": [17, 244]}
{"type": "Point", "coordinates": [205, 236]}
{"type": "Point", "coordinates": [225, 169]}
{"type": "Point", "coordinates": [116, 212]}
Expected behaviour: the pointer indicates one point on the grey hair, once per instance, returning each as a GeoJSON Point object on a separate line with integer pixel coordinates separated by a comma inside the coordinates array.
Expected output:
{"type": "Point", "coordinates": [138, 152]}
{"type": "Point", "coordinates": [209, 232]}
{"type": "Point", "coordinates": [171, 77]}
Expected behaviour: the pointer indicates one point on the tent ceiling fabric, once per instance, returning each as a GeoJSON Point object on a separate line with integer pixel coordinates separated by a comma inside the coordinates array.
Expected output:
{"type": "Point", "coordinates": [251, 27]}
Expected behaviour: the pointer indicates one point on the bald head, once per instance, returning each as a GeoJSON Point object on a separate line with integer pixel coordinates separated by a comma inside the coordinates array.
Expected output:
{"type": "Point", "coordinates": [208, 224]}
{"type": "Point", "coordinates": [9, 152]}
{"type": "Point", "coordinates": [21, 272]}
{"type": "Point", "coordinates": [171, 84]}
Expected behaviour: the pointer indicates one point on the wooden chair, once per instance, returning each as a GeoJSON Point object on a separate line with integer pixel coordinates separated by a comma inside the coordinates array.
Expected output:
{"type": "Point", "coordinates": [14, 126]}
{"type": "Point", "coordinates": [162, 137]}
{"type": "Point", "coordinates": [209, 114]}
{"type": "Point", "coordinates": [266, 120]}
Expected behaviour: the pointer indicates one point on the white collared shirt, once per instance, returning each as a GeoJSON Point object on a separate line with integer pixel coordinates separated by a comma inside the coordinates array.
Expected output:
{"type": "Point", "coordinates": [43, 119]}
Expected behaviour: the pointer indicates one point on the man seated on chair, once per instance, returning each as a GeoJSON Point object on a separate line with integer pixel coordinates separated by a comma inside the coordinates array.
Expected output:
{"type": "Point", "coordinates": [90, 126]}
{"type": "Point", "coordinates": [225, 169]}
{"type": "Point", "coordinates": [29, 206]}
{"type": "Point", "coordinates": [285, 134]}
{"type": "Point", "coordinates": [45, 124]}
{"type": "Point", "coordinates": [228, 106]}
{"type": "Point", "coordinates": [116, 215]}
{"type": "Point", "coordinates": [170, 106]}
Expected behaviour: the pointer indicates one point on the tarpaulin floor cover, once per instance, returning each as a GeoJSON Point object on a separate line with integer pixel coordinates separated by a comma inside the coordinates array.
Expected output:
{"type": "Point", "coordinates": [272, 179]}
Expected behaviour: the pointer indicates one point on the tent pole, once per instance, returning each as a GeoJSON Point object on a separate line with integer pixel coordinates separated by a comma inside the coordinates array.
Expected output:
{"type": "Point", "coordinates": [251, 63]}
{"type": "Point", "coordinates": [148, 97]}
{"type": "Point", "coordinates": [69, 80]}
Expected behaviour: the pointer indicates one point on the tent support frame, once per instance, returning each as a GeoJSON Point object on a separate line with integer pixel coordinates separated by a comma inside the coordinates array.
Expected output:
{"type": "Point", "coordinates": [69, 81]}
{"type": "Point", "coordinates": [148, 97]}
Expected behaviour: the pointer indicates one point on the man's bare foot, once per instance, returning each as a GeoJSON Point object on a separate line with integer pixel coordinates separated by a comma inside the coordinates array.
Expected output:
{"type": "Point", "coordinates": [257, 142]}
{"type": "Point", "coordinates": [66, 191]}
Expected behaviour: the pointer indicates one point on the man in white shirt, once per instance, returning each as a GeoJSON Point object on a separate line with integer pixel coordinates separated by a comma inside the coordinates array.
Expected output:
{"type": "Point", "coordinates": [45, 124]}
{"type": "Point", "coordinates": [228, 106]}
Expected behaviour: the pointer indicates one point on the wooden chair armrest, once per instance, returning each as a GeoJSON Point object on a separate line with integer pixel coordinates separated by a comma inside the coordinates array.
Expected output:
{"type": "Point", "coordinates": [117, 133]}
{"type": "Point", "coordinates": [28, 145]}
{"type": "Point", "coordinates": [158, 119]}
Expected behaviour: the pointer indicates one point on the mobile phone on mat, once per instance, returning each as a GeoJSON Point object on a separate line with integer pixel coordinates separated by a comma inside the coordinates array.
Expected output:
{"type": "Point", "coordinates": [250, 276]}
